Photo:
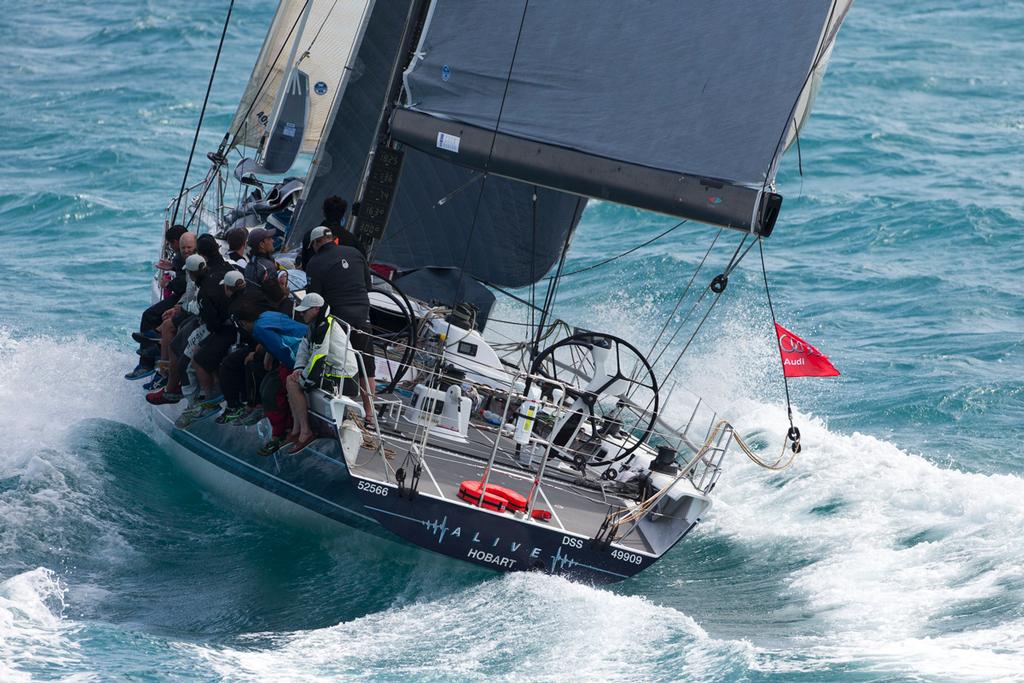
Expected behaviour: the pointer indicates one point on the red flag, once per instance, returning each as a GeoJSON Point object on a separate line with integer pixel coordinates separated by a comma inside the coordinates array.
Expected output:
{"type": "Point", "coordinates": [800, 359]}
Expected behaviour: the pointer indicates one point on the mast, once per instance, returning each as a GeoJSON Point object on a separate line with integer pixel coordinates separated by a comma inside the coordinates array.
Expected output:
{"type": "Point", "coordinates": [431, 209]}
{"type": "Point", "coordinates": [376, 191]}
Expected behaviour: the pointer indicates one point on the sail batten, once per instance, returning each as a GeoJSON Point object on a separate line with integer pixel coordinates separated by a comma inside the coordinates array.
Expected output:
{"type": "Point", "coordinates": [695, 89]}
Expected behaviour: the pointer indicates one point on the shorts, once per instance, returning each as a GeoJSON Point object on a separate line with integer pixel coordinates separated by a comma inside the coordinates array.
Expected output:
{"type": "Point", "coordinates": [198, 335]}
{"type": "Point", "coordinates": [185, 330]}
{"type": "Point", "coordinates": [213, 348]}
{"type": "Point", "coordinates": [317, 380]}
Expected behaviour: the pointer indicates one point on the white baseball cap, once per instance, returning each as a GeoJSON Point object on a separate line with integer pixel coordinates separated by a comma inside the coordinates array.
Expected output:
{"type": "Point", "coordinates": [311, 300]}
{"type": "Point", "coordinates": [232, 278]}
{"type": "Point", "coordinates": [194, 263]}
{"type": "Point", "coordinates": [320, 231]}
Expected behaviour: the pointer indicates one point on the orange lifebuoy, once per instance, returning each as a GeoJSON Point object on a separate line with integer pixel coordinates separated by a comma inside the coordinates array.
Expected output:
{"type": "Point", "coordinates": [496, 496]}
{"type": "Point", "coordinates": [469, 491]}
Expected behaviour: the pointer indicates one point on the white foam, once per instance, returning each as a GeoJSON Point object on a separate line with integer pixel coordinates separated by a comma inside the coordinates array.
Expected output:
{"type": "Point", "coordinates": [47, 387]}
{"type": "Point", "coordinates": [897, 547]}
{"type": "Point", "coordinates": [518, 627]}
{"type": "Point", "coordinates": [907, 544]}
{"type": "Point", "coordinates": [33, 636]}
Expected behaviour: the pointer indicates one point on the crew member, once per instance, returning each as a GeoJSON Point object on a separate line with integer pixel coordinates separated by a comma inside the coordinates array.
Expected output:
{"type": "Point", "coordinates": [341, 276]}
{"type": "Point", "coordinates": [325, 357]}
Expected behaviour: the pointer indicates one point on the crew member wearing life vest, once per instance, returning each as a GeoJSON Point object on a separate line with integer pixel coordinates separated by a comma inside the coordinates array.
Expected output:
{"type": "Point", "coordinates": [325, 359]}
{"type": "Point", "coordinates": [341, 276]}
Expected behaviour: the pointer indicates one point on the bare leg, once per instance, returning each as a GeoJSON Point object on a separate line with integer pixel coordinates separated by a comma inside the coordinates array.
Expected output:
{"type": "Point", "coordinates": [174, 375]}
{"type": "Point", "coordinates": [167, 332]}
{"type": "Point", "coordinates": [206, 380]}
{"type": "Point", "coordinates": [299, 406]}
{"type": "Point", "coordinates": [366, 386]}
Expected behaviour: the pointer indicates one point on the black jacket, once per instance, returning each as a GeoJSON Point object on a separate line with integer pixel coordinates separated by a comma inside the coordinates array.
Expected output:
{"type": "Point", "coordinates": [345, 239]}
{"type": "Point", "coordinates": [176, 287]}
{"type": "Point", "coordinates": [261, 271]}
{"type": "Point", "coordinates": [214, 309]}
{"type": "Point", "coordinates": [340, 275]}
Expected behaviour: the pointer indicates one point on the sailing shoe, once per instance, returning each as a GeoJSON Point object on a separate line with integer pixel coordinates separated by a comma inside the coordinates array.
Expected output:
{"type": "Point", "coordinates": [162, 397]}
{"type": "Point", "coordinates": [157, 382]}
{"type": "Point", "coordinates": [231, 415]}
{"type": "Point", "coordinates": [252, 417]}
{"type": "Point", "coordinates": [187, 415]}
{"type": "Point", "coordinates": [272, 446]}
{"type": "Point", "coordinates": [206, 409]}
{"type": "Point", "coordinates": [140, 372]}
{"type": "Point", "coordinates": [196, 411]}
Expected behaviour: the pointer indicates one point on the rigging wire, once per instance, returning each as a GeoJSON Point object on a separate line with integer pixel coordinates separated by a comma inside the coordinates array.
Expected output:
{"type": "Point", "coordinates": [270, 71]}
{"type": "Point", "coordinates": [794, 433]}
{"type": "Point", "coordinates": [490, 155]}
{"type": "Point", "coordinates": [202, 113]}
{"type": "Point", "coordinates": [627, 252]}
{"type": "Point", "coordinates": [473, 224]}
{"type": "Point", "coordinates": [318, 31]}
{"type": "Point", "coordinates": [686, 291]}
{"type": "Point", "coordinates": [533, 257]}
{"type": "Point", "coordinates": [552, 290]}
{"type": "Point", "coordinates": [792, 111]}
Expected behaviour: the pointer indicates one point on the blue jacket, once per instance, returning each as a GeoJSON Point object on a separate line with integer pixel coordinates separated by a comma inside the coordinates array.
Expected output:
{"type": "Point", "coordinates": [280, 336]}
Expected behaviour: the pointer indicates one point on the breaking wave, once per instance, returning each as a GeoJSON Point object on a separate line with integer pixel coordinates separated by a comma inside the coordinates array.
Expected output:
{"type": "Point", "coordinates": [863, 556]}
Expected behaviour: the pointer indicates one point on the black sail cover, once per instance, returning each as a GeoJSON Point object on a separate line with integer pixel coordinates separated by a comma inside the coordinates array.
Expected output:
{"type": "Point", "coordinates": [434, 215]}
{"type": "Point", "coordinates": [678, 106]}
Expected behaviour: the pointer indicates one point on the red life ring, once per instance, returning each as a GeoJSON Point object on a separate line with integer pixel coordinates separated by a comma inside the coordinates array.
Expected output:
{"type": "Point", "coordinates": [496, 496]}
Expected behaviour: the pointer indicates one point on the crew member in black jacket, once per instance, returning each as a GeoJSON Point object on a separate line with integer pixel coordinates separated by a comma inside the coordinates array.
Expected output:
{"type": "Point", "coordinates": [182, 244]}
{"type": "Point", "coordinates": [215, 314]}
{"type": "Point", "coordinates": [341, 276]}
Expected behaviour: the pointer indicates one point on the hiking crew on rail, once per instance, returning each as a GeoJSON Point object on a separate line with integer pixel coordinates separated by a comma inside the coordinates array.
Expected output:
{"type": "Point", "coordinates": [224, 328]}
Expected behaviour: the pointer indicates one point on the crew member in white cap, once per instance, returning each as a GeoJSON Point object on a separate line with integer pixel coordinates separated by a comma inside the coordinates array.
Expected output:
{"type": "Point", "coordinates": [324, 358]}
{"type": "Point", "coordinates": [195, 265]}
{"type": "Point", "coordinates": [340, 274]}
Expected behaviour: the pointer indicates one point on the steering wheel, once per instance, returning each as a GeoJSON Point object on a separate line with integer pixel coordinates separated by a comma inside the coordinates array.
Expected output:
{"type": "Point", "coordinates": [393, 327]}
{"type": "Point", "coordinates": [612, 384]}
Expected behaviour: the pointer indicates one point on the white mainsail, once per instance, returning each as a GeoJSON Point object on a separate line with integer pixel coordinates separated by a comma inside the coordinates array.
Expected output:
{"type": "Point", "coordinates": [324, 44]}
{"type": "Point", "coordinates": [803, 107]}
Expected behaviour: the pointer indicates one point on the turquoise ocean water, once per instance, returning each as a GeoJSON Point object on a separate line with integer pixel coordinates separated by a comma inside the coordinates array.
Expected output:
{"type": "Point", "coordinates": [892, 550]}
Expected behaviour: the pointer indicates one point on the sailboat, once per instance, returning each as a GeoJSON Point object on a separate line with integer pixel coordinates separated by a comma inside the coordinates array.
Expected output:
{"type": "Point", "coordinates": [471, 137]}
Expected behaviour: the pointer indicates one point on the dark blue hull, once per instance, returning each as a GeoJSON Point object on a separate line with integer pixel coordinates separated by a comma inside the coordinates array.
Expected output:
{"type": "Point", "coordinates": [318, 480]}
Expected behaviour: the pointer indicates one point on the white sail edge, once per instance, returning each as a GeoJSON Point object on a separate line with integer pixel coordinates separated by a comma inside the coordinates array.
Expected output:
{"type": "Point", "coordinates": [323, 47]}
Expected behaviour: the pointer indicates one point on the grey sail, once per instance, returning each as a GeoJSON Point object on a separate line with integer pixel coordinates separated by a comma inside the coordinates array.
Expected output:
{"type": "Point", "coordinates": [682, 107]}
{"type": "Point", "coordinates": [285, 140]}
{"type": "Point", "coordinates": [499, 244]}
{"type": "Point", "coordinates": [434, 219]}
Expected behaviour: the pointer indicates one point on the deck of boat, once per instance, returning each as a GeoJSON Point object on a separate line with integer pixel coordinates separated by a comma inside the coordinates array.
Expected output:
{"type": "Point", "coordinates": [575, 507]}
